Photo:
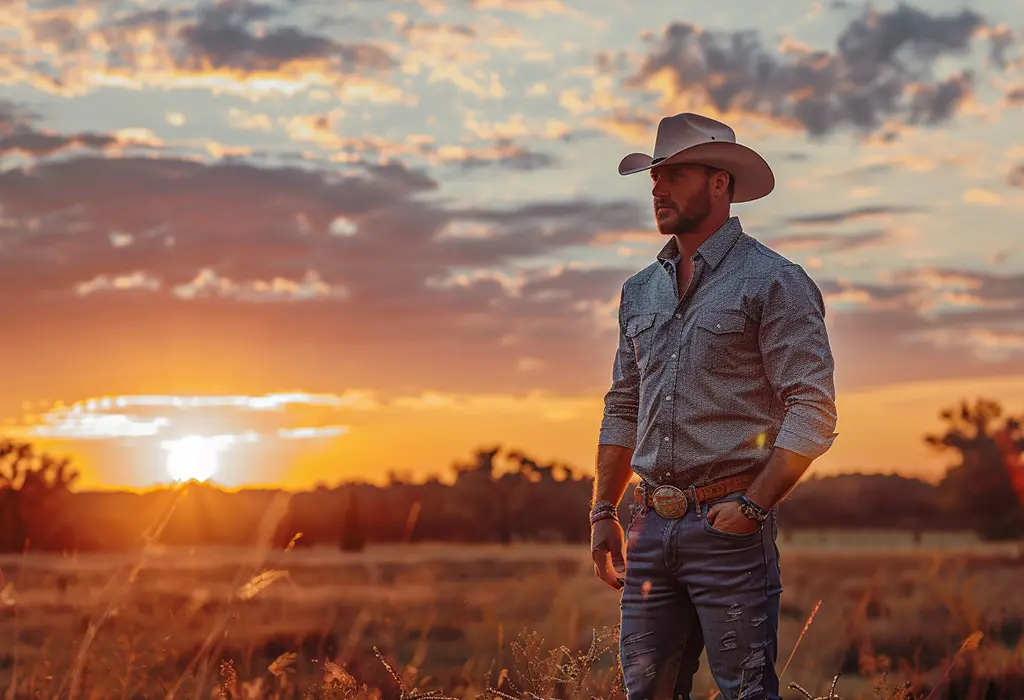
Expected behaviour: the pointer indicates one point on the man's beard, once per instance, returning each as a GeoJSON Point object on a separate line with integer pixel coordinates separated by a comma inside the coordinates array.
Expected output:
{"type": "Point", "coordinates": [690, 216]}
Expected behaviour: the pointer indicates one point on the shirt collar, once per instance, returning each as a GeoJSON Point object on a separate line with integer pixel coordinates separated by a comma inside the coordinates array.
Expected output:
{"type": "Point", "coordinates": [713, 250]}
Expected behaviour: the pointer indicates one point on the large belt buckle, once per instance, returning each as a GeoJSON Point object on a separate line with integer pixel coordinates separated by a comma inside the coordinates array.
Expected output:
{"type": "Point", "coordinates": [669, 502]}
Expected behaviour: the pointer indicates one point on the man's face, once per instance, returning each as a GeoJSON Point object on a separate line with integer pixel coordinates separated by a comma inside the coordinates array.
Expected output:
{"type": "Point", "coordinates": [682, 198]}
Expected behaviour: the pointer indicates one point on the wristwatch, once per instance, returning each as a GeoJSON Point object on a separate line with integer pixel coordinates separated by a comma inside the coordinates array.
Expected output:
{"type": "Point", "coordinates": [752, 510]}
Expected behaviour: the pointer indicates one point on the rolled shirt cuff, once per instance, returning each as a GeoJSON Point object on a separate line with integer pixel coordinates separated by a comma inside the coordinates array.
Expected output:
{"type": "Point", "coordinates": [618, 431]}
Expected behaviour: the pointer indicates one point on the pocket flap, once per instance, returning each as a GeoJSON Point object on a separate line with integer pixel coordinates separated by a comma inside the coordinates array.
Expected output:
{"type": "Point", "coordinates": [723, 321]}
{"type": "Point", "coordinates": [639, 323]}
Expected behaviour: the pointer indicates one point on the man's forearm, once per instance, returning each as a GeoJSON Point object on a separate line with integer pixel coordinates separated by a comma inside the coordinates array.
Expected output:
{"type": "Point", "coordinates": [613, 473]}
{"type": "Point", "coordinates": [777, 479]}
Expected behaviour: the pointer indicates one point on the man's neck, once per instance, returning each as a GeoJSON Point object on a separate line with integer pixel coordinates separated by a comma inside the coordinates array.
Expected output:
{"type": "Point", "coordinates": [689, 242]}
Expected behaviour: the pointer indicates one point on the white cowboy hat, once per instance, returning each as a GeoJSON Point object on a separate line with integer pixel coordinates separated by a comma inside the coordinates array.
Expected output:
{"type": "Point", "coordinates": [692, 138]}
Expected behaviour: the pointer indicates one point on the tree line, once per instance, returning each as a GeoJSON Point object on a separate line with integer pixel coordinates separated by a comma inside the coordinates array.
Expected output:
{"type": "Point", "coordinates": [498, 496]}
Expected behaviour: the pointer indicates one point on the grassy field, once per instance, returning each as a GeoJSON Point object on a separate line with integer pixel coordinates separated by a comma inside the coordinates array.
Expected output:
{"type": "Point", "coordinates": [451, 617]}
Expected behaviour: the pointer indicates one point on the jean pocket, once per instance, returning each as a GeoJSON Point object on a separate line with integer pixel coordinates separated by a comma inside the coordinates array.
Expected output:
{"type": "Point", "coordinates": [715, 532]}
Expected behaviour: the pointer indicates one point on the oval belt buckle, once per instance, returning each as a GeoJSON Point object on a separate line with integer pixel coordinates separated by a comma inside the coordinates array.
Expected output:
{"type": "Point", "coordinates": [670, 502]}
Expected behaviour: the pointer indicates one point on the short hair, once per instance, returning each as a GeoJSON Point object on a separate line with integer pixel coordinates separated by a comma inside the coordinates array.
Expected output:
{"type": "Point", "coordinates": [732, 181]}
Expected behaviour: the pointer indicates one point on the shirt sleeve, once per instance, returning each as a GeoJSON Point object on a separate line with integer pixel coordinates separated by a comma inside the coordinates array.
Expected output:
{"type": "Point", "coordinates": [798, 361]}
{"type": "Point", "coordinates": [621, 402]}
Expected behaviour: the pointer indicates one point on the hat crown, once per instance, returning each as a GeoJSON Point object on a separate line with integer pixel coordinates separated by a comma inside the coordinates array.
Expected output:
{"type": "Point", "coordinates": [685, 130]}
{"type": "Point", "coordinates": [694, 139]}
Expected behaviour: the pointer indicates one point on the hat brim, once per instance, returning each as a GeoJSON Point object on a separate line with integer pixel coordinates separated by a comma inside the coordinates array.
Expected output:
{"type": "Point", "coordinates": [753, 176]}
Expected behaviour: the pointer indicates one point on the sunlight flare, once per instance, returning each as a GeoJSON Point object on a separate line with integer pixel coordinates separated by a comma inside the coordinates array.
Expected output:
{"type": "Point", "coordinates": [192, 458]}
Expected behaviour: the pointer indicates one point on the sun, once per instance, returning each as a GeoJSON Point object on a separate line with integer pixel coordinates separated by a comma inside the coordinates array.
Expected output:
{"type": "Point", "coordinates": [192, 458]}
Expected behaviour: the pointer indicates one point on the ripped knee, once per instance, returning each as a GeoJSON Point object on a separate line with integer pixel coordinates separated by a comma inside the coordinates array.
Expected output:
{"type": "Point", "coordinates": [639, 658]}
{"type": "Point", "coordinates": [752, 666]}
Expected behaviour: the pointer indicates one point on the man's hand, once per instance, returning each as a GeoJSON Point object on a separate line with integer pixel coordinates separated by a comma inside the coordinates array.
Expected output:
{"type": "Point", "coordinates": [727, 517]}
{"type": "Point", "coordinates": [608, 548]}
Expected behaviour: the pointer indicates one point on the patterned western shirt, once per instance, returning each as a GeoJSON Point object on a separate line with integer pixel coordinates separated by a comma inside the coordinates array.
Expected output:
{"type": "Point", "coordinates": [704, 386]}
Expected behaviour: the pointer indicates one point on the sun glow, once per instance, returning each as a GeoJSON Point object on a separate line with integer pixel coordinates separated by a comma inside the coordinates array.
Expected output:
{"type": "Point", "coordinates": [192, 458]}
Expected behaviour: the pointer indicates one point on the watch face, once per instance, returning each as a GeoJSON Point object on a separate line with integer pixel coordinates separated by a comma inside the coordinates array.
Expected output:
{"type": "Point", "coordinates": [749, 512]}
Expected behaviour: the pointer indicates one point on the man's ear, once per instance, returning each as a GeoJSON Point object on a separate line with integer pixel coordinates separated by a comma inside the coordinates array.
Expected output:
{"type": "Point", "coordinates": [722, 179]}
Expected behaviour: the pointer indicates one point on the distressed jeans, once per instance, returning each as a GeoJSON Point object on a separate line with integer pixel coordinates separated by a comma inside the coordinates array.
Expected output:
{"type": "Point", "coordinates": [689, 586]}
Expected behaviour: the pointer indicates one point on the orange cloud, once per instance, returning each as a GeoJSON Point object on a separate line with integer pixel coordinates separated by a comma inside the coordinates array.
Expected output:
{"type": "Point", "coordinates": [311, 286]}
{"type": "Point", "coordinates": [136, 280]}
{"type": "Point", "coordinates": [980, 195]}
{"type": "Point", "coordinates": [534, 9]}
{"type": "Point", "coordinates": [72, 50]}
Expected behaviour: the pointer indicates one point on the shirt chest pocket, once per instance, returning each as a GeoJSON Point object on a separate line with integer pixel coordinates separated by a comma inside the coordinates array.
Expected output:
{"type": "Point", "coordinates": [640, 331]}
{"type": "Point", "coordinates": [723, 342]}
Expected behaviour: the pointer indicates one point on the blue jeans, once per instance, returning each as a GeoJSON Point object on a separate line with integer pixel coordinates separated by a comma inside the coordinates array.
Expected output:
{"type": "Point", "coordinates": [689, 585]}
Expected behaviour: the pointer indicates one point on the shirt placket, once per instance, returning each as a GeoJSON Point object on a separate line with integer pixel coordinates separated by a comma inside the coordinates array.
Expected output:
{"type": "Point", "coordinates": [676, 324]}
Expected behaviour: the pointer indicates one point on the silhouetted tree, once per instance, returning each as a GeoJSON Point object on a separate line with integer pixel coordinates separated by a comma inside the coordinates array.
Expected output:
{"type": "Point", "coordinates": [352, 537]}
{"type": "Point", "coordinates": [34, 490]}
{"type": "Point", "coordinates": [980, 490]}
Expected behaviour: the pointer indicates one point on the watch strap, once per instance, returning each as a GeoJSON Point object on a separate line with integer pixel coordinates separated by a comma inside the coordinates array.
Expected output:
{"type": "Point", "coordinates": [752, 510]}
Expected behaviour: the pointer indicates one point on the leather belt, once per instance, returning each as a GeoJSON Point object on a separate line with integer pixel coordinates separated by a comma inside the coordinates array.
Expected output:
{"type": "Point", "coordinates": [670, 502]}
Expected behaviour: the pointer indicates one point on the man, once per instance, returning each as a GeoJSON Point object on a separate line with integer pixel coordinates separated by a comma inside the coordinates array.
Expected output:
{"type": "Point", "coordinates": [722, 395]}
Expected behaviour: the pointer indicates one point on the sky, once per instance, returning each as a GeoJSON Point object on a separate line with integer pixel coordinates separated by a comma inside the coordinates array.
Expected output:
{"type": "Point", "coordinates": [337, 240]}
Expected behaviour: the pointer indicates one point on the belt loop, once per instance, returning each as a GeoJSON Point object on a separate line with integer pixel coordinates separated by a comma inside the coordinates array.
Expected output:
{"type": "Point", "coordinates": [644, 505]}
{"type": "Point", "coordinates": [696, 503]}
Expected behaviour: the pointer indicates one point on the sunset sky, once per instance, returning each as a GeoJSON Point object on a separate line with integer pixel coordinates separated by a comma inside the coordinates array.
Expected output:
{"type": "Point", "coordinates": [338, 238]}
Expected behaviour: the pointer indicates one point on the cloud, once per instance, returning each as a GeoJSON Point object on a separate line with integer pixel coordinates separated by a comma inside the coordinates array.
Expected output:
{"type": "Point", "coordinates": [503, 154]}
{"type": "Point", "coordinates": [248, 121]}
{"type": "Point", "coordinates": [237, 12]}
{"type": "Point", "coordinates": [1001, 41]}
{"type": "Point", "coordinates": [1015, 178]}
{"type": "Point", "coordinates": [933, 292]}
{"type": "Point", "coordinates": [310, 287]}
{"type": "Point", "coordinates": [846, 297]}
{"type": "Point", "coordinates": [14, 116]}
{"type": "Point", "coordinates": [987, 344]}
{"type": "Point", "coordinates": [879, 71]}
{"type": "Point", "coordinates": [36, 143]}
{"type": "Point", "coordinates": [917, 163]}
{"type": "Point", "coordinates": [244, 222]}
{"type": "Point", "coordinates": [858, 214]}
{"type": "Point", "coordinates": [18, 135]}
{"type": "Point", "coordinates": [220, 40]}
{"type": "Point", "coordinates": [244, 47]}
{"type": "Point", "coordinates": [135, 280]}
{"type": "Point", "coordinates": [981, 195]}
{"type": "Point", "coordinates": [361, 260]}
{"type": "Point", "coordinates": [534, 9]}
{"type": "Point", "coordinates": [495, 144]}
{"type": "Point", "coordinates": [517, 125]}
{"type": "Point", "coordinates": [924, 324]}
{"type": "Point", "coordinates": [829, 243]}
{"type": "Point", "coordinates": [283, 416]}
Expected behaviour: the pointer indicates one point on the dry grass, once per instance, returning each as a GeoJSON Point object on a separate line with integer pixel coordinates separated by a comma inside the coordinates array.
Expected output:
{"type": "Point", "coordinates": [464, 621]}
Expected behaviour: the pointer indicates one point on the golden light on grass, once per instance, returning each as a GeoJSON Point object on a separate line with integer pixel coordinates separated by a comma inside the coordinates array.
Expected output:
{"type": "Point", "coordinates": [807, 626]}
{"type": "Point", "coordinates": [260, 581]}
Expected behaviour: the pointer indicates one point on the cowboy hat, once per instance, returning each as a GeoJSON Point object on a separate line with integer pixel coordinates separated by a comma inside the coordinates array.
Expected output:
{"type": "Point", "coordinates": [692, 138]}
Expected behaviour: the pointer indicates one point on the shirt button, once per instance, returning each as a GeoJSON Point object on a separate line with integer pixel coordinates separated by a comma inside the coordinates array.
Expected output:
{"type": "Point", "coordinates": [669, 397]}
{"type": "Point", "coordinates": [673, 356]}
{"type": "Point", "coordinates": [665, 438]}
{"type": "Point", "coordinates": [718, 325]}
{"type": "Point", "coordinates": [679, 315]}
